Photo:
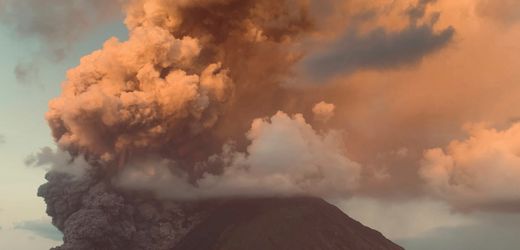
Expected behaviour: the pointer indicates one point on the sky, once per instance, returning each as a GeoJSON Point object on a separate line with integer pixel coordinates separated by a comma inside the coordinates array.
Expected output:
{"type": "Point", "coordinates": [412, 103]}
{"type": "Point", "coordinates": [23, 221]}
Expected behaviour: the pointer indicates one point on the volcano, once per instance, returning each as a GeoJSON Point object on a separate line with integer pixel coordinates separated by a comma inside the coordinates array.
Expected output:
{"type": "Point", "coordinates": [282, 224]}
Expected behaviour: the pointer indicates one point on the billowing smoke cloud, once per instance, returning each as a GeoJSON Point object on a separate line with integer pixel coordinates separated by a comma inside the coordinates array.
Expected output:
{"type": "Point", "coordinates": [165, 89]}
{"type": "Point", "coordinates": [285, 156]}
{"type": "Point", "coordinates": [166, 101]}
{"type": "Point", "coordinates": [116, 103]}
{"type": "Point", "coordinates": [2, 139]}
{"type": "Point", "coordinates": [480, 172]}
{"type": "Point", "coordinates": [144, 124]}
{"type": "Point", "coordinates": [92, 215]}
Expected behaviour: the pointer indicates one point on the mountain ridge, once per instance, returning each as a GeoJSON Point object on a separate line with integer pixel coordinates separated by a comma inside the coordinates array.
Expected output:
{"type": "Point", "coordinates": [301, 223]}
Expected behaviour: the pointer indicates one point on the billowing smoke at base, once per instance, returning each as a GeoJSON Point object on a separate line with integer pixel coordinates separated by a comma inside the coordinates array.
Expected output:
{"type": "Point", "coordinates": [152, 204]}
{"type": "Point", "coordinates": [193, 106]}
{"type": "Point", "coordinates": [93, 215]}
{"type": "Point", "coordinates": [150, 118]}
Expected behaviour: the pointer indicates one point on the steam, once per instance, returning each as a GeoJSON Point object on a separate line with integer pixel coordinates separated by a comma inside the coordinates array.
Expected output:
{"type": "Point", "coordinates": [285, 157]}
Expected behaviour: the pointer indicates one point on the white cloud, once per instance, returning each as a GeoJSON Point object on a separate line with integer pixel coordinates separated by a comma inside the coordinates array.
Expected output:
{"type": "Point", "coordinates": [286, 156]}
{"type": "Point", "coordinates": [323, 111]}
{"type": "Point", "coordinates": [479, 172]}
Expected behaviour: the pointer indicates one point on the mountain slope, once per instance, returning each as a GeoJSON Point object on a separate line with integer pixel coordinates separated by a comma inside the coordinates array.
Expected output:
{"type": "Point", "coordinates": [282, 224]}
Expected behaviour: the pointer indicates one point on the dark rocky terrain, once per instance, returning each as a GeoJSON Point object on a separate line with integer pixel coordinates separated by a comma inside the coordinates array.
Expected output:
{"type": "Point", "coordinates": [282, 224]}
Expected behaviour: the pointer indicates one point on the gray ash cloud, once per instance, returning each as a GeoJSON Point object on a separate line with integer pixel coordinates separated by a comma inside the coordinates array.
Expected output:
{"type": "Point", "coordinates": [92, 215]}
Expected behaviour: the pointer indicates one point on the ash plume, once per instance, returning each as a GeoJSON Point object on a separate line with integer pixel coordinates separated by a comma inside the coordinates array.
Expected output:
{"type": "Point", "coordinates": [168, 94]}
{"type": "Point", "coordinates": [193, 106]}
{"type": "Point", "coordinates": [165, 90]}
